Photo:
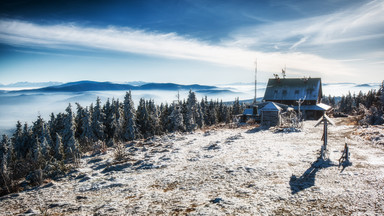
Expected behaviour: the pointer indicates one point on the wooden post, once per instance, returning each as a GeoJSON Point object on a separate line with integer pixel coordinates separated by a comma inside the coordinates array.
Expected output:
{"type": "Point", "coordinates": [325, 119]}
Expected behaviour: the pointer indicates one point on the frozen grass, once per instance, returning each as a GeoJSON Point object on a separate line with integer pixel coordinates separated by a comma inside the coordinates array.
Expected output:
{"type": "Point", "coordinates": [238, 171]}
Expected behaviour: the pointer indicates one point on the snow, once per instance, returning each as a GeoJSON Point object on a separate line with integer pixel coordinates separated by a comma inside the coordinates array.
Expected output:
{"type": "Point", "coordinates": [241, 171]}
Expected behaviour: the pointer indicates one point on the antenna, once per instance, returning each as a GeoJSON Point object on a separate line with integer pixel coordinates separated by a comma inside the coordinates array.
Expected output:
{"type": "Point", "coordinates": [283, 71]}
{"type": "Point", "coordinates": [254, 101]}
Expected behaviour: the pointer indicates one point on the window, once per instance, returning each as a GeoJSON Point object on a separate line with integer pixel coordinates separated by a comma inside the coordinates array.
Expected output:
{"type": "Point", "coordinates": [296, 91]}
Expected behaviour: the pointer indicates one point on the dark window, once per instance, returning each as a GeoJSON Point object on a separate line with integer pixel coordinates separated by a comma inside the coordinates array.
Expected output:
{"type": "Point", "coordinates": [284, 92]}
{"type": "Point", "coordinates": [296, 91]}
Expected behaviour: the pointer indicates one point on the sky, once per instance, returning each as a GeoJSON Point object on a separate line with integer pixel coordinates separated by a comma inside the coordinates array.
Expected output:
{"type": "Point", "coordinates": [191, 41]}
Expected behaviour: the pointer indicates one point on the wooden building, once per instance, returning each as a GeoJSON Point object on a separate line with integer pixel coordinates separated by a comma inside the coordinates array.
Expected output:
{"type": "Point", "coordinates": [271, 114]}
{"type": "Point", "coordinates": [300, 93]}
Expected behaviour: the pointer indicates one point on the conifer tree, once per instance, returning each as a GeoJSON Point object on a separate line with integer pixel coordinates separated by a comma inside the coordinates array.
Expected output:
{"type": "Point", "coordinates": [17, 138]}
{"type": "Point", "coordinates": [176, 117]}
{"type": "Point", "coordinates": [153, 119]}
{"type": "Point", "coordinates": [191, 113]}
{"type": "Point", "coordinates": [87, 135]}
{"type": "Point", "coordinates": [200, 117]}
{"type": "Point", "coordinates": [164, 118]}
{"type": "Point", "coordinates": [129, 122]}
{"type": "Point", "coordinates": [27, 142]}
{"type": "Point", "coordinates": [71, 146]}
{"type": "Point", "coordinates": [59, 148]}
{"type": "Point", "coordinates": [97, 121]}
{"type": "Point", "coordinates": [142, 118]}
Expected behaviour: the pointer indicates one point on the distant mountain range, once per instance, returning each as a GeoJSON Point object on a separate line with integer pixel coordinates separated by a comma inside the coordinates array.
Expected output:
{"type": "Point", "coordinates": [30, 84]}
{"type": "Point", "coordinates": [86, 85]}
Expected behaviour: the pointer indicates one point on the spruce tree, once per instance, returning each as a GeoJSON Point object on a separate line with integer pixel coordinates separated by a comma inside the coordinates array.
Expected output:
{"type": "Point", "coordinates": [129, 122]}
{"type": "Point", "coordinates": [142, 118]}
{"type": "Point", "coordinates": [87, 136]}
{"type": "Point", "coordinates": [17, 138]}
{"type": "Point", "coordinates": [191, 113]}
{"type": "Point", "coordinates": [177, 121]}
{"type": "Point", "coordinates": [97, 121]}
{"type": "Point", "coordinates": [59, 149]}
{"type": "Point", "coordinates": [71, 146]}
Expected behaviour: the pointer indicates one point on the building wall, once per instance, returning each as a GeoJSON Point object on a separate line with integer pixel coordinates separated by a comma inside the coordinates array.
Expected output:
{"type": "Point", "coordinates": [270, 118]}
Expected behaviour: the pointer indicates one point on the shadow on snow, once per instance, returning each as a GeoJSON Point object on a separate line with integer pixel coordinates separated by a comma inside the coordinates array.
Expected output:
{"type": "Point", "coordinates": [307, 180]}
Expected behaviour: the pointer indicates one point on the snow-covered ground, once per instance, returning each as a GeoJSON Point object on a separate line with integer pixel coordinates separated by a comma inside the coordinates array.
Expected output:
{"type": "Point", "coordinates": [241, 171]}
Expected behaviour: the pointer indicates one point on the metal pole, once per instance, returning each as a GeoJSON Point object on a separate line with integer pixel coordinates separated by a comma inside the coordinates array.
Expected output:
{"type": "Point", "coordinates": [254, 101]}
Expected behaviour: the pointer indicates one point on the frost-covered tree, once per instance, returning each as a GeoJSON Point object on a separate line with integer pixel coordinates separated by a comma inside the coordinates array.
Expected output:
{"type": "Point", "coordinates": [80, 112]}
{"type": "Point", "coordinates": [205, 110]}
{"type": "Point", "coordinates": [142, 118]}
{"type": "Point", "coordinates": [236, 107]}
{"type": "Point", "coordinates": [200, 117]}
{"type": "Point", "coordinates": [87, 135]}
{"type": "Point", "coordinates": [27, 141]}
{"type": "Point", "coordinates": [212, 113]}
{"type": "Point", "coordinates": [59, 148]}
{"type": "Point", "coordinates": [71, 146]}
{"type": "Point", "coordinates": [97, 121]}
{"type": "Point", "coordinates": [129, 122]}
{"type": "Point", "coordinates": [154, 119]}
{"type": "Point", "coordinates": [17, 139]}
{"type": "Point", "coordinates": [192, 112]}
{"type": "Point", "coordinates": [164, 118]}
{"type": "Point", "coordinates": [109, 120]}
{"type": "Point", "coordinates": [6, 165]}
{"type": "Point", "coordinates": [117, 121]}
{"type": "Point", "coordinates": [176, 117]}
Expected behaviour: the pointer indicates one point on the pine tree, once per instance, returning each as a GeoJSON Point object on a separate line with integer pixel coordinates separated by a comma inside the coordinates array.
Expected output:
{"type": "Point", "coordinates": [59, 148]}
{"type": "Point", "coordinates": [117, 121]}
{"type": "Point", "coordinates": [87, 135]}
{"type": "Point", "coordinates": [78, 121]}
{"type": "Point", "coordinates": [71, 146]}
{"type": "Point", "coordinates": [142, 118]}
{"type": "Point", "coordinates": [129, 122]}
{"type": "Point", "coordinates": [236, 107]}
{"type": "Point", "coordinates": [17, 138]}
{"type": "Point", "coordinates": [164, 118]}
{"type": "Point", "coordinates": [176, 117]}
{"type": "Point", "coordinates": [200, 117]}
{"type": "Point", "coordinates": [205, 110]}
{"type": "Point", "coordinates": [191, 113]}
{"type": "Point", "coordinates": [153, 119]}
{"type": "Point", "coordinates": [27, 142]}
{"type": "Point", "coordinates": [6, 164]}
{"type": "Point", "coordinates": [97, 121]}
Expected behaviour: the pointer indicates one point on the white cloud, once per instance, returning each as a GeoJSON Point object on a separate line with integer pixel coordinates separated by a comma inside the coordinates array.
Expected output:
{"type": "Point", "coordinates": [171, 45]}
{"type": "Point", "coordinates": [353, 24]}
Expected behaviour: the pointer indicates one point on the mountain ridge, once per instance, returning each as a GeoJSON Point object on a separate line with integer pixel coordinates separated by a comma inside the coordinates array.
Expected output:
{"type": "Point", "coordinates": [88, 85]}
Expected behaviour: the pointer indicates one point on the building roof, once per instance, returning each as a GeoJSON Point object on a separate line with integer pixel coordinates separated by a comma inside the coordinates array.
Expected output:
{"type": "Point", "coordinates": [271, 107]}
{"type": "Point", "coordinates": [248, 111]}
{"type": "Point", "coordinates": [293, 89]}
{"type": "Point", "coordinates": [317, 107]}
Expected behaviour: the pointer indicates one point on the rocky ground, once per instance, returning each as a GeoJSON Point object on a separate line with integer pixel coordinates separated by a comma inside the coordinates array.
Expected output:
{"type": "Point", "coordinates": [242, 171]}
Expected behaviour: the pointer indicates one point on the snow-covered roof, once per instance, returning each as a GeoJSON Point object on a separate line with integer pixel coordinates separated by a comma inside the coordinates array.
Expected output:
{"type": "Point", "coordinates": [248, 111]}
{"type": "Point", "coordinates": [293, 89]}
{"type": "Point", "coordinates": [317, 107]}
{"type": "Point", "coordinates": [271, 106]}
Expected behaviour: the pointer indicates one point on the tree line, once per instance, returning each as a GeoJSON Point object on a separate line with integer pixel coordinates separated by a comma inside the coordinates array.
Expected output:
{"type": "Point", "coordinates": [45, 148]}
{"type": "Point", "coordinates": [370, 105]}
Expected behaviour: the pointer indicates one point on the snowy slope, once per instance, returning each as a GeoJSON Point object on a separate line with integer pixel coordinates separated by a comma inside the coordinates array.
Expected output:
{"type": "Point", "coordinates": [242, 171]}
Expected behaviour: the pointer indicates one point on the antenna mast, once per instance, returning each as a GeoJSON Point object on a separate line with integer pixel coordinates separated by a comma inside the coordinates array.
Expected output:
{"type": "Point", "coordinates": [254, 101]}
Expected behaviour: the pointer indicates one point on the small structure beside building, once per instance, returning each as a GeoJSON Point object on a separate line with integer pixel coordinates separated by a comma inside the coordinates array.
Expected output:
{"type": "Point", "coordinates": [266, 113]}
{"type": "Point", "coordinates": [271, 114]}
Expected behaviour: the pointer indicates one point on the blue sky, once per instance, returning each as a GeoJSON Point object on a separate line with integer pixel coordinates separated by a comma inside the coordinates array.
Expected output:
{"type": "Point", "coordinates": [190, 41]}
